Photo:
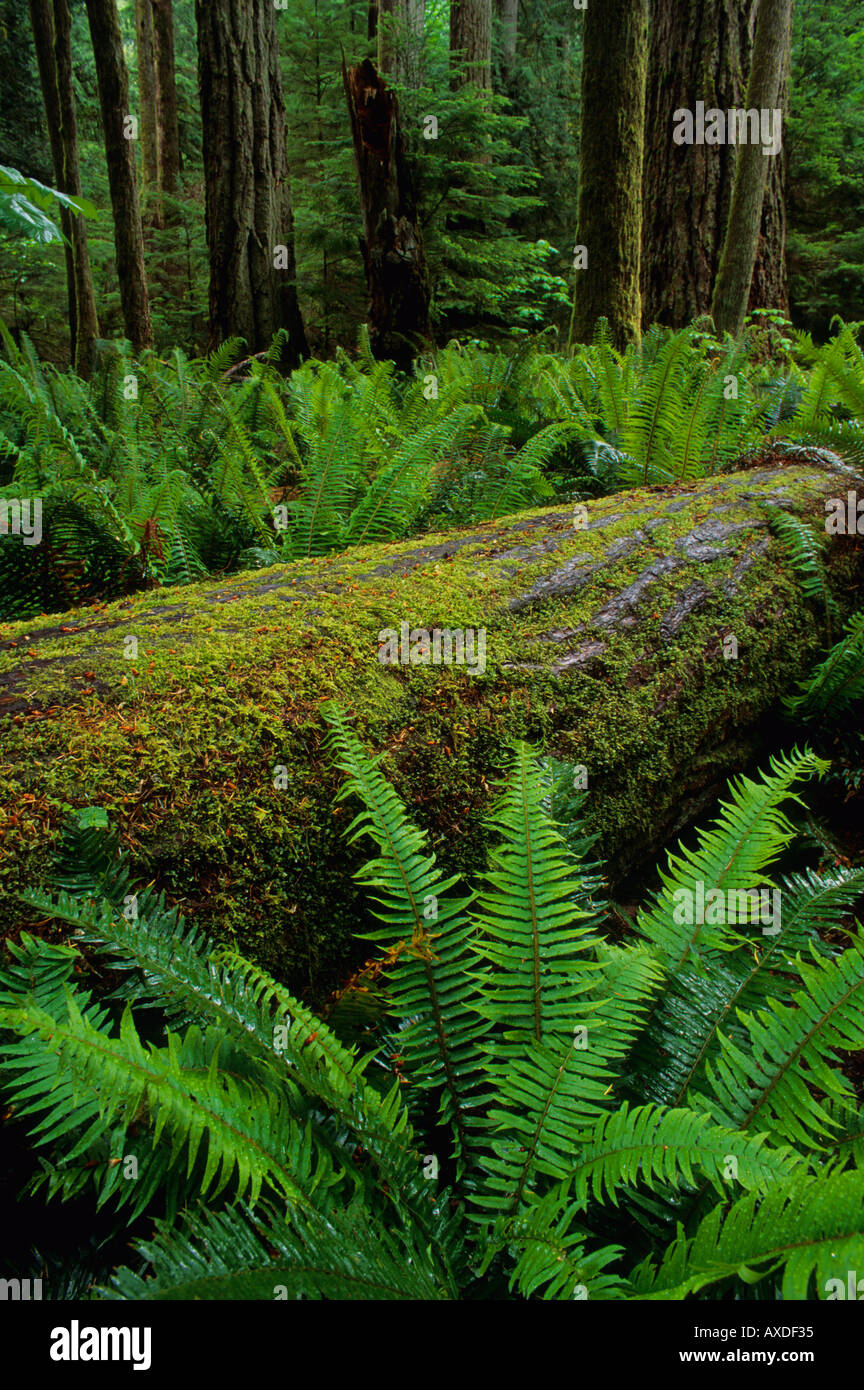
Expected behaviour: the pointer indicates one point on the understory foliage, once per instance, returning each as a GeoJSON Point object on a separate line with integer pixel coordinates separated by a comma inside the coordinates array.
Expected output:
{"type": "Point", "coordinates": [165, 471]}
{"type": "Point", "coordinates": [541, 1114]}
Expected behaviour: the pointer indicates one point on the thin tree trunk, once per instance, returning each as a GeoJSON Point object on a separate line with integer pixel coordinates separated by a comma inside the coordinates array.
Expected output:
{"type": "Point", "coordinates": [166, 98]}
{"type": "Point", "coordinates": [51, 33]}
{"type": "Point", "coordinates": [113, 83]}
{"type": "Point", "coordinates": [396, 270]}
{"type": "Point", "coordinates": [250, 225]}
{"type": "Point", "coordinates": [42, 24]}
{"type": "Point", "coordinates": [769, 288]}
{"type": "Point", "coordinates": [471, 43]}
{"type": "Point", "coordinates": [614, 71]}
{"type": "Point", "coordinates": [147, 102]}
{"type": "Point", "coordinates": [86, 317]}
{"type": "Point", "coordinates": [770, 57]}
{"type": "Point", "coordinates": [401, 26]}
{"type": "Point", "coordinates": [508, 15]}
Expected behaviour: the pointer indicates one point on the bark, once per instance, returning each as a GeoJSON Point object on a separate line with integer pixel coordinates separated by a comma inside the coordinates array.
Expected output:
{"type": "Point", "coordinates": [508, 15]}
{"type": "Point", "coordinates": [51, 32]}
{"type": "Point", "coordinates": [769, 287]}
{"type": "Point", "coordinates": [764, 89]}
{"type": "Point", "coordinates": [166, 98]}
{"type": "Point", "coordinates": [86, 317]}
{"type": "Point", "coordinates": [147, 98]}
{"type": "Point", "coordinates": [604, 644]}
{"type": "Point", "coordinates": [250, 223]}
{"type": "Point", "coordinates": [471, 42]}
{"type": "Point", "coordinates": [700, 50]}
{"type": "Point", "coordinates": [614, 71]}
{"type": "Point", "coordinates": [401, 25]}
{"type": "Point", "coordinates": [42, 24]}
{"type": "Point", "coordinates": [394, 259]}
{"type": "Point", "coordinates": [113, 82]}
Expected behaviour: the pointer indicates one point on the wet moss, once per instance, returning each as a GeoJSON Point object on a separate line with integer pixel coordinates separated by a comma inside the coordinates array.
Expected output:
{"type": "Point", "coordinates": [180, 739]}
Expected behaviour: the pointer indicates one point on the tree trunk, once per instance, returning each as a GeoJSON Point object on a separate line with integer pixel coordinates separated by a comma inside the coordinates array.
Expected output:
{"type": "Point", "coordinates": [166, 98]}
{"type": "Point", "coordinates": [113, 82]}
{"type": "Point", "coordinates": [42, 24]}
{"type": "Point", "coordinates": [699, 51]}
{"type": "Point", "coordinates": [608, 644]}
{"type": "Point", "coordinates": [769, 288]}
{"type": "Point", "coordinates": [250, 224]}
{"type": "Point", "coordinates": [508, 16]}
{"type": "Point", "coordinates": [764, 89]}
{"type": "Point", "coordinates": [401, 25]}
{"type": "Point", "coordinates": [395, 262]}
{"type": "Point", "coordinates": [614, 69]}
{"type": "Point", "coordinates": [54, 60]}
{"type": "Point", "coordinates": [471, 43]}
{"type": "Point", "coordinates": [86, 317]}
{"type": "Point", "coordinates": [147, 102]}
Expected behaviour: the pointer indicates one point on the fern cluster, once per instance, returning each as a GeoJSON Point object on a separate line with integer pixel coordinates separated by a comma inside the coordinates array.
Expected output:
{"type": "Point", "coordinates": [544, 1115]}
{"type": "Point", "coordinates": [166, 471]}
{"type": "Point", "coordinates": [678, 406]}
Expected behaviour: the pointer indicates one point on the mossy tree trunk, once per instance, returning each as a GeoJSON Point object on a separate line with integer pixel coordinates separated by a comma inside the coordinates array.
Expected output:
{"type": "Point", "coordinates": [86, 318]}
{"type": "Point", "coordinates": [147, 103]}
{"type": "Point", "coordinates": [51, 32]}
{"type": "Point", "coordinates": [392, 245]}
{"type": "Point", "coordinates": [166, 99]}
{"type": "Point", "coordinates": [614, 72]}
{"type": "Point", "coordinates": [769, 286]}
{"type": "Point", "coordinates": [609, 643]}
{"type": "Point", "coordinates": [42, 24]}
{"type": "Point", "coordinates": [764, 91]}
{"type": "Point", "coordinates": [250, 222]}
{"type": "Point", "coordinates": [113, 83]}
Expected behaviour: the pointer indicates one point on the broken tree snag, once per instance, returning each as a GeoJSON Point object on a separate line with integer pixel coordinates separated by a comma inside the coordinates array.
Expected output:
{"type": "Point", "coordinates": [193, 715]}
{"type": "Point", "coordinates": [392, 244]}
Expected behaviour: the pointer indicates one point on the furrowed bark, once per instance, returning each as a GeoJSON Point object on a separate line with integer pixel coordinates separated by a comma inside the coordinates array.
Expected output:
{"type": "Point", "coordinates": [614, 72]}
{"type": "Point", "coordinates": [607, 644]}
{"type": "Point", "coordinates": [113, 82]}
{"type": "Point", "coordinates": [250, 221]}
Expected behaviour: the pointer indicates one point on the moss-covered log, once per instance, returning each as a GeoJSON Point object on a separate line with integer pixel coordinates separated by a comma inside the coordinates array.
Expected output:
{"type": "Point", "coordinates": [193, 715]}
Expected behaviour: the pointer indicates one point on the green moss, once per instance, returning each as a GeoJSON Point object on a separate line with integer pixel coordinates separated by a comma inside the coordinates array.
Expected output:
{"type": "Point", "coordinates": [180, 744]}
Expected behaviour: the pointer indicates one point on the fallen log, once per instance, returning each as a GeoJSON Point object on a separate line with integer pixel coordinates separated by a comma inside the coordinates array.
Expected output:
{"type": "Point", "coordinates": [644, 645]}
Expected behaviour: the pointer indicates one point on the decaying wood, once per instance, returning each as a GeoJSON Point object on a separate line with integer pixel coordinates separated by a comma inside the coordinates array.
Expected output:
{"type": "Point", "coordinates": [606, 643]}
{"type": "Point", "coordinates": [392, 243]}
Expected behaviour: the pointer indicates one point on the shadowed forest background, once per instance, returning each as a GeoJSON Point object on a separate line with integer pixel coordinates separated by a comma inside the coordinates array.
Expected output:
{"type": "Point", "coordinates": [504, 271]}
